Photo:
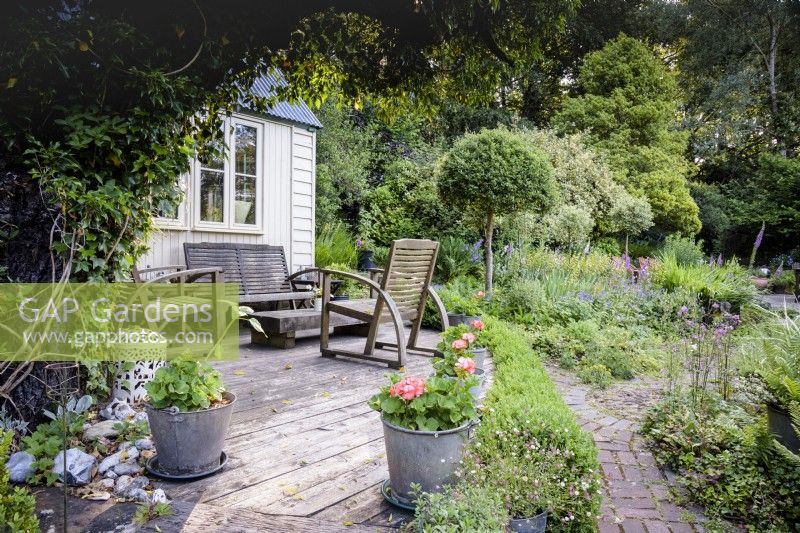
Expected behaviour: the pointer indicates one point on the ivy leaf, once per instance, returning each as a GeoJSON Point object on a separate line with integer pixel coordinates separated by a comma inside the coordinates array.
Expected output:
{"type": "Point", "coordinates": [12, 81]}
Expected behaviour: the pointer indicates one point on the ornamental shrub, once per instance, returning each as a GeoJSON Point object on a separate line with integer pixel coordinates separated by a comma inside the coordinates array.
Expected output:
{"type": "Point", "coordinates": [187, 385]}
{"type": "Point", "coordinates": [17, 506]}
{"type": "Point", "coordinates": [569, 226]}
{"type": "Point", "coordinates": [584, 178]}
{"type": "Point", "coordinates": [495, 173]}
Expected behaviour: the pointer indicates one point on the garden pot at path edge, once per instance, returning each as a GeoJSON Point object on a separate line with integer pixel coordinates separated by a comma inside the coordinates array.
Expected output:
{"type": "Point", "coordinates": [455, 319]}
{"type": "Point", "coordinates": [534, 524]}
{"type": "Point", "coordinates": [479, 355]}
{"type": "Point", "coordinates": [780, 425]}
{"type": "Point", "coordinates": [190, 443]}
{"type": "Point", "coordinates": [476, 390]}
{"type": "Point", "coordinates": [426, 457]}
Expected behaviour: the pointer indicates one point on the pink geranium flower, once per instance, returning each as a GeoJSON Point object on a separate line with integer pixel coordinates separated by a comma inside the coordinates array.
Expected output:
{"type": "Point", "coordinates": [480, 295]}
{"type": "Point", "coordinates": [466, 364]}
{"type": "Point", "coordinates": [469, 337]}
{"type": "Point", "coordinates": [478, 324]}
{"type": "Point", "coordinates": [460, 344]}
{"type": "Point", "coordinates": [408, 389]}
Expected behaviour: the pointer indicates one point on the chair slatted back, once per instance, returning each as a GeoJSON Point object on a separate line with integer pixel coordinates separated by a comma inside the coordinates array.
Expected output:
{"type": "Point", "coordinates": [408, 273]}
{"type": "Point", "coordinates": [258, 268]}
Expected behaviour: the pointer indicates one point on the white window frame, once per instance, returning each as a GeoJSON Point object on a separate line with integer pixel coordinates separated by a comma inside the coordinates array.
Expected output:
{"type": "Point", "coordinates": [228, 223]}
{"type": "Point", "coordinates": [181, 221]}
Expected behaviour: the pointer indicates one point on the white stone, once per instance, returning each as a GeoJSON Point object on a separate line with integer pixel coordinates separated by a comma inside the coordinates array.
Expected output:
{"type": "Point", "coordinates": [130, 454]}
{"type": "Point", "coordinates": [127, 468]}
{"type": "Point", "coordinates": [139, 495]}
{"type": "Point", "coordinates": [80, 467]}
{"type": "Point", "coordinates": [101, 429]}
{"type": "Point", "coordinates": [122, 485]}
{"type": "Point", "coordinates": [109, 462]}
{"type": "Point", "coordinates": [158, 496]}
{"type": "Point", "coordinates": [20, 466]}
{"type": "Point", "coordinates": [106, 483]}
{"type": "Point", "coordinates": [144, 444]}
{"type": "Point", "coordinates": [123, 411]}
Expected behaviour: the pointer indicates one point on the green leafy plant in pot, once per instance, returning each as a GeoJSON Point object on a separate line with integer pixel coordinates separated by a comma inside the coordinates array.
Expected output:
{"type": "Point", "coordinates": [462, 357]}
{"type": "Point", "coordinates": [777, 355]}
{"type": "Point", "coordinates": [465, 337]}
{"type": "Point", "coordinates": [462, 307]}
{"type": "Point", "coordinates": [425, 426]}
{"type": "Point", "coordinates": [189, 413]}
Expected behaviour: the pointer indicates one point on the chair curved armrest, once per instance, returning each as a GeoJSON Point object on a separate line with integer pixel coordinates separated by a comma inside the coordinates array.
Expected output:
{"type": "Point", "coordinates": [311, 270]}
{"type": "Point", "coordinates": [360, 279]}
{"type": "Point", "coordinates": [439, 307]}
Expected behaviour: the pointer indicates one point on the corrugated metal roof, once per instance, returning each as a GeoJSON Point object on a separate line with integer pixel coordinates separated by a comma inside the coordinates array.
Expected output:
{"type": "Point", "coordinates": [299, 112]}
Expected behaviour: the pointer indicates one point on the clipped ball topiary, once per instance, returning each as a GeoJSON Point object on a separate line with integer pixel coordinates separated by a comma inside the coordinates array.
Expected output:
{"type": "Point", "coordinates": [492, 173]}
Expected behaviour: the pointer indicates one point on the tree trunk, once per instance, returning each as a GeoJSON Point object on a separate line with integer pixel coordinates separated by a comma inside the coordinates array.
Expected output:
{"type": "Point", "coordinates": [772, 56]}
{"type": "Point", "coordinates": [626, 244]}
{"type": "Point", "coordinates": [487, 254]}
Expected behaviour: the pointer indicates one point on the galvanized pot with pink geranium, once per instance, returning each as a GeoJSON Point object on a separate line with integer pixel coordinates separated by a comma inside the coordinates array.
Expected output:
{"type": "Point", "coordinates": [466, 340]}
{"type": "Point", "coordinates": [426, 425]}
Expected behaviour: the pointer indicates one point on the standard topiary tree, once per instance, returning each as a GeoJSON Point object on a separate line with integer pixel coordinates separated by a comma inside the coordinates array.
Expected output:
{"type": "Point", "coordinates": [493, 173]}
{"type": "Point", "coordinates": [631, 216]}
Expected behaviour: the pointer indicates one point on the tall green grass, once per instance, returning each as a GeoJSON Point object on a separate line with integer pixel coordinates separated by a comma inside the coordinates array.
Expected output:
{"type": "Point", "coordinates": [711, 283]}
{"type": "Point", "coordinates": [335, 245]}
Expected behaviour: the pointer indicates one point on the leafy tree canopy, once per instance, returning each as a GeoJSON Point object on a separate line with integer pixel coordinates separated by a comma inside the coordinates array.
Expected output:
{"type": "Point", "coordinates": [100, 100]}
{"type": "Point", "coordinates": [627, 104]}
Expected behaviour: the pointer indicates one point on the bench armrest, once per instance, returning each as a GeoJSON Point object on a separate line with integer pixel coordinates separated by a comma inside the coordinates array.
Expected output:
{"type": "Point", "coordinates": [188, 276]}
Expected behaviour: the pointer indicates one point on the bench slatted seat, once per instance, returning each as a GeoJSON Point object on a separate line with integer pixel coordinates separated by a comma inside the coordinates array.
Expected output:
{"type": "Point", "coordinates": [260, 270]}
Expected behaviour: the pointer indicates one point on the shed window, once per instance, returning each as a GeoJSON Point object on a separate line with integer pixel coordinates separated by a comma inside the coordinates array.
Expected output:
{"type": "Point", "coordinates": [228, 183]}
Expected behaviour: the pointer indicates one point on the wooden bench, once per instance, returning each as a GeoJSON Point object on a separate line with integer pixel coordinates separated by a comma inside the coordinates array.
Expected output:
{"type": "Point", "coordinates": [260, 270]}
{"type": "Point", "coordinates": [281, 327]}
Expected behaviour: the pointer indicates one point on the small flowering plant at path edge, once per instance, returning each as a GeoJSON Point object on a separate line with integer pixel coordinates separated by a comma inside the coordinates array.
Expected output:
{"type": "Point", "coordinates": [455, 346]}
{"type": "Point", "coordinates": [435, 404]}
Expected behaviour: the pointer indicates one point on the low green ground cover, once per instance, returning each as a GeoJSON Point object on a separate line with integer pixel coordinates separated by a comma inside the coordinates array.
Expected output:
{"type": "Point", "coordinates": [528, 452]}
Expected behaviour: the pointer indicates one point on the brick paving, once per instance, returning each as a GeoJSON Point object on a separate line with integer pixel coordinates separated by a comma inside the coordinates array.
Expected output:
{"type": "Point", "coordinates": [636, 494]}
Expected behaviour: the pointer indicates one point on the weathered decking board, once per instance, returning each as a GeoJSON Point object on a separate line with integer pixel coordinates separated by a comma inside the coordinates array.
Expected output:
{"type": "Point", "coordinates": [302, 441]}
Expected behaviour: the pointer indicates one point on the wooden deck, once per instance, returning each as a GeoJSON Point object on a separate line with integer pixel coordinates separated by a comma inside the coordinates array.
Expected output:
{"type": "Point", "coordinates": [302, 442]}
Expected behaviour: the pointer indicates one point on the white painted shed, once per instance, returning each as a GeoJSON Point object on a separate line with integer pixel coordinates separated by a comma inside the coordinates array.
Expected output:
{"type": "Point", "coordinates": [261, 192]}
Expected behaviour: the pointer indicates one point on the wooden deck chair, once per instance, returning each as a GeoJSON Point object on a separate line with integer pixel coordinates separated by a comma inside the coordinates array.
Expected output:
{"type": "Point", "coordinates": [401, 295]}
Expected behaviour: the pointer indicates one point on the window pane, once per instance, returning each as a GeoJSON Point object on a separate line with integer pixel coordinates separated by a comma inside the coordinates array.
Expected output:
{"type": "Point", "coordinates": [246, 149]}
{"type": "Point", "coordinates": [245, 199]}
{"type": "Point", "coordinates": [212, 196]}
{"type": "Point", "coordinates": [212, 154]}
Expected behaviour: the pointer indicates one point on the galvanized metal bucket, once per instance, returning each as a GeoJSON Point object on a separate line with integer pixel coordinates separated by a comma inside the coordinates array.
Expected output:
{"type": "Point", "coordinates": [428, 458]}
{"type": "Point", "coordinates": [477, 389]}
{"type": "Point", "coordinates": [534, 524]}
{"type": "Point", "coordinates": [456, 319]}
{"type": "Point", "coordinates": [190, 443]}
{"type": "Point", "coordinates": [479, 356]}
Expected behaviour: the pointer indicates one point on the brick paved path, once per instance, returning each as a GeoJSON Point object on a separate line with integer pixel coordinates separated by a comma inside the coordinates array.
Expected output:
{"type": "Point", "coordinates": [636, 497]}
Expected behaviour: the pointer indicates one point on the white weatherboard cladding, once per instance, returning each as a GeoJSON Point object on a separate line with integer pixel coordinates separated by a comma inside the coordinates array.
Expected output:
{"type": "Point", "coordinates": [289, 154]}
